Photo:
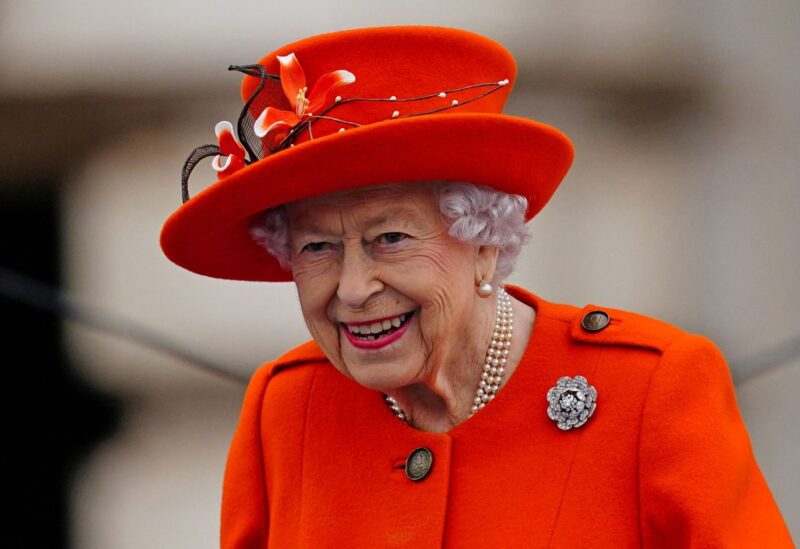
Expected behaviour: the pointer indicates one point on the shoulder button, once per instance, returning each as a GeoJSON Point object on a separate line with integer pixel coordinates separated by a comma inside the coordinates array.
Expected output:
{"type": "Point", "coordinates": [594, 321]}
{"type": "Point", "coordinates": [598, 325]}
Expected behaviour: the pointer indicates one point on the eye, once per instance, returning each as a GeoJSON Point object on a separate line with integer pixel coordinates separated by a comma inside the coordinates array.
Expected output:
{"type": "Point", "coordinates": [316, 247]}
{"type": "Point", "coordinates": [391, 238]}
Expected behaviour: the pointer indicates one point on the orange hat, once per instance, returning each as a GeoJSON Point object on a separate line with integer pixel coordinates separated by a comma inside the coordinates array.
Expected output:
{"type": "Point", "coordinates": [355, 108]}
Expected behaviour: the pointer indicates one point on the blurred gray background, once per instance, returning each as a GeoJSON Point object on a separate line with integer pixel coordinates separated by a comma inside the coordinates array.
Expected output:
{"type": "Point", "coordinates": [682, 204]}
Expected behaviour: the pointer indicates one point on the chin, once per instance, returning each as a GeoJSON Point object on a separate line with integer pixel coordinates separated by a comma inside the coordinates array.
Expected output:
{"type": "Point", "coordinates": [387, 367]}
{"type": "Point", "coordinates": [384, 376]}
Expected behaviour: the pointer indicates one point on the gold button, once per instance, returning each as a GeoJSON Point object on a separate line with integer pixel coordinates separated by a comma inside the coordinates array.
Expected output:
{"type": "Point", "coordinates": [595, 321]}
{"type": "Point", "coordinates": [419, 464]}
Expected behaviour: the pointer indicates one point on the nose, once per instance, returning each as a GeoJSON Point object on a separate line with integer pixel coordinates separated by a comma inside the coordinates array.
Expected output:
{"type": "Point", "coordinates": [358, 277]}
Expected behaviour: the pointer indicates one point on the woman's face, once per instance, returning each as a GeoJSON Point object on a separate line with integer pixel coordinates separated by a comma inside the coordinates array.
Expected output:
{"type": "Point", "coordinates": [385, 291]}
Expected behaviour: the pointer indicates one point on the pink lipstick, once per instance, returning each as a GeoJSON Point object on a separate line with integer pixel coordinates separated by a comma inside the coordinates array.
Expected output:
{"type": "Point", "coordinates": [376, 340]}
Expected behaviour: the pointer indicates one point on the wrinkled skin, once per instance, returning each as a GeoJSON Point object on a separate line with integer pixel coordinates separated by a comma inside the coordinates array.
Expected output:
{"type": "Point", "coordinates": [377, 253]}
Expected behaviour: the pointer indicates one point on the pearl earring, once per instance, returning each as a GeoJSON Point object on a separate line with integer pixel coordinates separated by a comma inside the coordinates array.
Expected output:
{"type": "Point", "coordinates": [485, 289]}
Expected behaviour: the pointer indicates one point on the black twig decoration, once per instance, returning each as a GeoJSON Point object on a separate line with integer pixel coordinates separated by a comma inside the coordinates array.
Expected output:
{"type": "Point", "coordinates": [245, 117]}
{"type": "Point", "coordinates": [260, 72]}
{"type": "Point", "coordinates": [306, 124]}
{"type": "Point", "coordinates": [201, 152]}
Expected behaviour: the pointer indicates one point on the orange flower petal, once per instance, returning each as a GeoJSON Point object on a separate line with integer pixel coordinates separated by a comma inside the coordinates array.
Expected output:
{"type": "Point", "coordinates": [228, 144]}
{"type": "Point", "coordinates": [272, 119]}
{"type": "Point", "coordinates": [326, 85]}
{"type": "Point", "coordinates": [293, 78]}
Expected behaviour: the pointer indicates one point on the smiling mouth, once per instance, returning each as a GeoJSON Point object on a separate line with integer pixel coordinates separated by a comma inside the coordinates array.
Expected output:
{"type": "Point", "coordinates": [379, 329]}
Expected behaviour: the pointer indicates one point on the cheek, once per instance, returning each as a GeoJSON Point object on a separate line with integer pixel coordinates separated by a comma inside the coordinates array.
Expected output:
{"type": "Point", "coordinates": [433, 262]}
{"type": "Point", "coordinates": [442, 273]}
{"type": "Point", "coordinates": [315, 295]}
{"type": "Point", "coordinates": [315, 279]}
{"type": "Point", "coordinates": [307, 269]}
{"type": "Point", "coordinates": [440, 278]}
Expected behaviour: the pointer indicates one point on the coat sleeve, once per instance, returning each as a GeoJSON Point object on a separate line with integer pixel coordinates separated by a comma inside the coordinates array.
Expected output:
{"type": "Point", "coordinates": [245, 510]}
{"type": "Point", "coordinates": [700, 485]}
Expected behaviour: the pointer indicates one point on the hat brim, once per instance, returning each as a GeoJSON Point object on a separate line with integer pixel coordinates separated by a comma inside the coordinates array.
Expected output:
{"type": "Point", "coordinates": [210, 234]}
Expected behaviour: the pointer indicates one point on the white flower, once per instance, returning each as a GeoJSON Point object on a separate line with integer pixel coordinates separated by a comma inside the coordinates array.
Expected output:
{"type": "Point", "coordinates": [571, 402]}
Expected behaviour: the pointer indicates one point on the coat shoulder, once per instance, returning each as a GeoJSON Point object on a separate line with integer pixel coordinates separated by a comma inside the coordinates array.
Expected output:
{"type": "Point", "coordinates": [600, 325]}
{"type": "Point", "coordinates": [307, 353]}
{"type": "Point", "coordinates": [285, 379]}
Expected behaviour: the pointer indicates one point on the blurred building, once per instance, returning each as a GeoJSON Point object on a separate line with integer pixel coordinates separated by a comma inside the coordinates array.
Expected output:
{"type": "Point", "coordinates": [682, 204]}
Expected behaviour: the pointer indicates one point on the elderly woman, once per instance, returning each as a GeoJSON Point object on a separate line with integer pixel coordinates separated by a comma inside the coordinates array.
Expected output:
{"type": "Point", "coordinates": [436, 406]}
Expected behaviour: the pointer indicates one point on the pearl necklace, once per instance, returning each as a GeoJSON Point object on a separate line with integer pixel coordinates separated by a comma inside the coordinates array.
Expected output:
{"type": "Point", "coordinates": [494, 366]}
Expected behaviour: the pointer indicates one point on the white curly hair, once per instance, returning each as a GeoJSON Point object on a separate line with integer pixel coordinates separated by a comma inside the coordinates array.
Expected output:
{"type": "Point", "coordinates": [475, 214]}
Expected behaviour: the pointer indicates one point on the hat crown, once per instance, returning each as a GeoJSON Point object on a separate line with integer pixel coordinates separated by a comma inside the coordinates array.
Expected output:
{"type": "Point", "coordinates": [400, 72]}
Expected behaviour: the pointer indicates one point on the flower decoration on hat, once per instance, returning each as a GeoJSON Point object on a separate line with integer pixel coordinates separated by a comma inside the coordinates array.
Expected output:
{"type": "Point", "coordinates": [571, 402]}
{"type": "Point", "coordinates": [232, 154]}
{"type": "Point", "coordinates": [274, 124]}
{"type": "Point", "coordinates": [276, 129]}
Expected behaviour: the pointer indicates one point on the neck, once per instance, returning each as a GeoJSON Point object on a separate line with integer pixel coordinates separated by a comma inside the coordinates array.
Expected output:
{"type": "Point", "coordinates": [445, 401]}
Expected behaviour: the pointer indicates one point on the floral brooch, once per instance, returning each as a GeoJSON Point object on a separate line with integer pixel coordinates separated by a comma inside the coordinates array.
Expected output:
{"type": "Point", "coordinates": [571, 402]}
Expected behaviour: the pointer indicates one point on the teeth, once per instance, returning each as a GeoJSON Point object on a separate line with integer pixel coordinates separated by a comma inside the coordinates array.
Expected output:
{"type": "Point", "coordinates": [370, 330]}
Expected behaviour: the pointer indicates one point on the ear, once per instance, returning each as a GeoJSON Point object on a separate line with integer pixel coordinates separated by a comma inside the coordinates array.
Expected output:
{"type": "Point", "coordinates": [486, 263]}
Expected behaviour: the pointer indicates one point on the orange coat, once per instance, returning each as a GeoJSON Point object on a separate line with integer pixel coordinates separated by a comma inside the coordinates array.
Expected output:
{"type": "Point", "coordinates": [665, 461]}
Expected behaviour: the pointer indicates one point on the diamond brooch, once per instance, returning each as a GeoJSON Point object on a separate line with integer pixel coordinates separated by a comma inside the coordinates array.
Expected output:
{"type": "Point", "coordinates": [571, 402]}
